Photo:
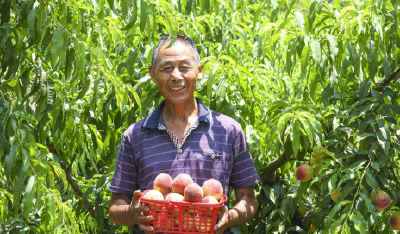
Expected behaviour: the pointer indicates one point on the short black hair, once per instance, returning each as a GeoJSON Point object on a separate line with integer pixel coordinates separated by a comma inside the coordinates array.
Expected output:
{"type": "Point", "coordinates": [182, 38]}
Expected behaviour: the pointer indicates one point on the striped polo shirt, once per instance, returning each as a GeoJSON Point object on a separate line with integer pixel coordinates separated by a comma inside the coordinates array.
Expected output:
{"type": "Point", "coordinates": [215, 148]}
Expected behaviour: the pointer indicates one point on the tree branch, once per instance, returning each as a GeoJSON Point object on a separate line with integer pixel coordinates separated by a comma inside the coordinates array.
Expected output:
{"type": "Point", "coordinates": [71, 181]}
{"type": "Point", "coordinates": [386, 82]}
{"type": "Point", "coordinates": [72, 162]}
{"type": "Point", "coordinates": [270, 176]}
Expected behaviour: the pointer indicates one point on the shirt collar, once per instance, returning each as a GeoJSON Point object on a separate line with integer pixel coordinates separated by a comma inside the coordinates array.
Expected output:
{"type": "Point", "coordinates": [153, 119]}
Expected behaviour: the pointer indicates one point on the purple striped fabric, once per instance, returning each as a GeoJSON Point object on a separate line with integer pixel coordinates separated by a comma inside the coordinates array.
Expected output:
{"type": "Point", "coordinates": [215, 149]}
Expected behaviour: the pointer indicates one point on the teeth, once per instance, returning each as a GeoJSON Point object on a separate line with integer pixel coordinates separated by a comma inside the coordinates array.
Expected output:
{"type": "Point", "coordinates": [178, 88]}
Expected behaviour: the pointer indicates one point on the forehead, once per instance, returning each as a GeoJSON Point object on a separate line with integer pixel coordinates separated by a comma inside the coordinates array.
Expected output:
{"type": "Point", "coordinates": [179, 51]}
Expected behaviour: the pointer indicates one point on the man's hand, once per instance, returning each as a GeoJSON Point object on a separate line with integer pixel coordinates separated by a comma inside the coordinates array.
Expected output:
{"type": "Point", "coordinates": [223, 220]}
{"type": "Point", "coordinates": [244, 210]}
{"type": "Point", "coordinates": [122, 213]}
{"type": "Point", "coordinates": [138, 210]}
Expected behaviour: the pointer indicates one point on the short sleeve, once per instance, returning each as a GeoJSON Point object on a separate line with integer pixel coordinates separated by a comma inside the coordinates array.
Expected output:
{"type": "Point", "coordinates": [125, 179]}
{"type": "Point", "coordinates": [244, 173]}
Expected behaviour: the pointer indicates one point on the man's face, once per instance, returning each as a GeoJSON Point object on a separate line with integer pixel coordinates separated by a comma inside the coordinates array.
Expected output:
{"type": "Point", "coordinates": [176, 73]}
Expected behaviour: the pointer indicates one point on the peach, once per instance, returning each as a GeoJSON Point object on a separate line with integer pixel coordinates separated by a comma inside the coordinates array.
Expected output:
{"type": "Point", "coordinates": [163, 183]}
{"type": "Point", "coordinates": [180, 182]}
{"type": "Point", "coordinates": [174, 197]}
{"type": "Point", "coordinates": [212, 187]}
{"type": "Point", "coordinates": [336, 193]}
{"type": "Point", "coordinates": [381, 200]}
{"type": "Point", "coordinates": [304, 173]}
{"type": "Point", "coordinates": [394, 221]}
{"type": "Point", "coordinates": [275, 224]}
{"type": "Point", "coordinates": [302, 211]}
{"type": "Point", "coordinates": [209, 200]}
{"type": "Point", "coordinates": [318, 154]}
{"type": "Point", "coordinates": [316, 167]}
{"type": "Point", "coordinates": [193, 193]}
{"type": "Point", "coordinates": [311, 229]}
{"type": "Point", "coordinates": [154, 195]}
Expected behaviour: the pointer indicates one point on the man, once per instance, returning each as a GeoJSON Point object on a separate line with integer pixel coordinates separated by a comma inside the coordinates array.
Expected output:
{"type": "Point", "coordinates": [181, 136]}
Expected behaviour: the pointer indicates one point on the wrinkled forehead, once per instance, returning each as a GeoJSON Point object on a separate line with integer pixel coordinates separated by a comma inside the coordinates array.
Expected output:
{"type": "Point", "coordinates": [178, 51]}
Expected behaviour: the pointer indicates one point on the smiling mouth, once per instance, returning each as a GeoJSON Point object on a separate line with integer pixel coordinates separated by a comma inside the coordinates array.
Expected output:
{"type": "Point", "coordinates": [178, 88]}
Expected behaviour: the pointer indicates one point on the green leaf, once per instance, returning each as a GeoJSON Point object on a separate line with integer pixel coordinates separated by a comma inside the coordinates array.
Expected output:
{"type": "Point", "coordinates": [394, 108]}
{"type": "Point", "coordinates": [143, 15]}
{"type": "Point", "coordinates": [87, 192]}
{"type": "Point", "coordinates": [29, 195]}
{"type": "Point", "coordinates": [277, 105]}
{"type": "Point", "coordinates": [371, 207]}
{"type": "Point", "coordinates": [364, 135]}
{"type": "Point", "coordinates": [359, 221]}
{"type": "Point", "coordinates": [269, 193]}
{"type": "Point", "coordinates": [25, 160]}
{"type": "Point", "coordinates": [36, 84]}
{"type": "Point", "coordinates": [18, 190]}
{"type": "Point", "coordinates": [5, 12]}
{"type": "Point", "coordinates": [371, 181]}
{"type": "Point", "coordinates": [220, 93]}
{"type": "Point", "coordinates": [375, 165]}
{"type": "Point", "coordinates": [10, 160]}
{"type": "Point", "coordinates": [51, 209]}
{"type": "Point", "coordinates": [99, 212]}
{"type": "Point", "coordinates": [58, 41]}
{"type": "Point", "coordinates": [300, 22]}
{"type": "Point", "coordinates": [100, 182]}
{"type": "Point", "coordinates": [285, 208]}
{"type": "Point", "coordinates": [211, 79]}
{"type": "Point", "coordinates": [333, 45]}
{"type": "Point", "coordinates": [296, 138]}
{"type": "Point", "coordinates": [316, 50]}
{"type": "Point", "coordinates": [257, 14]}
{"type": "Point", "coordinates": [355, 166]}
{"type": "Point", "coordinates": [133, 18]}
{"type": "Point", "coordinates": [377, 95]}
{"type": "Point", "coordinates": [32, 20]}
{"type": "Point", "coordinates": [305, 54]}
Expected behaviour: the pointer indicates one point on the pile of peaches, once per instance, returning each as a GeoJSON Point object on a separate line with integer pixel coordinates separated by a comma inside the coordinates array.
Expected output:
{"type": "Point", "coordinates": [182, 188]}
{"type": "Point", "coordinates": [181, 217]}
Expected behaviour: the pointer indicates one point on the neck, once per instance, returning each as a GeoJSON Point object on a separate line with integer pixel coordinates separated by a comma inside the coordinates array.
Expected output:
{"type": "Point", "coordinates": [180, 112]}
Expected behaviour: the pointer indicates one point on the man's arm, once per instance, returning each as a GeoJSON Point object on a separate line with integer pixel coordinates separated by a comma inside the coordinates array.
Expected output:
{"type": "Point", "coordinates": [245, 208]}
{"type": "Point", "coordinates": [122, 213]}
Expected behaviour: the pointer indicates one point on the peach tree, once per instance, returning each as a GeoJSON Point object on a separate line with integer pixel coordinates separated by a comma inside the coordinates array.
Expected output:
{"type": "Point", "coordinates": [295, 74]}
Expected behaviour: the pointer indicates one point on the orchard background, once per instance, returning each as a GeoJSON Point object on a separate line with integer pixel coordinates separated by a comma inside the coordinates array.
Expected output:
{"type": "Point", "coordinates": [294, 74]}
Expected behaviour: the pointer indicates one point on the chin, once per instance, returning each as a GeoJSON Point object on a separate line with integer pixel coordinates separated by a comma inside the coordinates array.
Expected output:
{"type": "Point", "coordinates": [178, 100]}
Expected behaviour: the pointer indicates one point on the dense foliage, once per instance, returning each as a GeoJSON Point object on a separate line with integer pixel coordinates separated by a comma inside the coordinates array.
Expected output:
{"type": "Point", "coordinates": [293, 74]}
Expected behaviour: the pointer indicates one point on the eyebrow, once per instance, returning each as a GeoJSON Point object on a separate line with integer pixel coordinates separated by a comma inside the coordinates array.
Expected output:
{"type": "Point", "coordinates": [165, 62]}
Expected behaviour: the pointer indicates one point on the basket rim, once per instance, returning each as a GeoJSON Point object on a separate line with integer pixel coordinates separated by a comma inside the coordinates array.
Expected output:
{"type": "Point", "coordinates": [183, 203]}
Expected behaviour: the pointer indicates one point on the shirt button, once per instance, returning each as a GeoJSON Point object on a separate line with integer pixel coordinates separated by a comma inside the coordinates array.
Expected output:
{"type": "Point", "coordinates": [180, 151]}
{"type": "Point", "coordinates": [212, 156]}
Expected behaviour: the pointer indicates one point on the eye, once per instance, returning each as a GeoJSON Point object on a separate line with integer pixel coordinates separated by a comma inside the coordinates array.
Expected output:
{"type": "Point", "coordinates": [167, 69]}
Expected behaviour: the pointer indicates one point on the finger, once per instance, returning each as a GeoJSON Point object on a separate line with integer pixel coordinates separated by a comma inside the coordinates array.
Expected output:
{"type": "Point", "coordinates": [222, 212]}
{"type": "Point", "coordinates": [138, 209]}
{"type": "Point", "coordinates": [146, 229]}
{"type": "Point", "coordinates": [136, 196]}
{"type": "Point", "coordinates": [217, 228]}
{"type": "Point", "coordinates": [144, 219]}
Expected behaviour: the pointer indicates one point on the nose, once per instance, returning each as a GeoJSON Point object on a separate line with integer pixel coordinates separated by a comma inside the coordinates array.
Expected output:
{"type": "Point", "coordinates": [176, 74]}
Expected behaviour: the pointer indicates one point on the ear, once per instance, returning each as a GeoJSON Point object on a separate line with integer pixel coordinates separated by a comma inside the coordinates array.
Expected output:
{"type": "Point", "coordinates": [200, 72]}
{"type": "Point", "coordinates": [152, 74]}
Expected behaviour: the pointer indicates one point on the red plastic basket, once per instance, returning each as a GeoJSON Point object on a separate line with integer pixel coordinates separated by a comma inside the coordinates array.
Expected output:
{"type": "Point", "coordinates": [182, 217]}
